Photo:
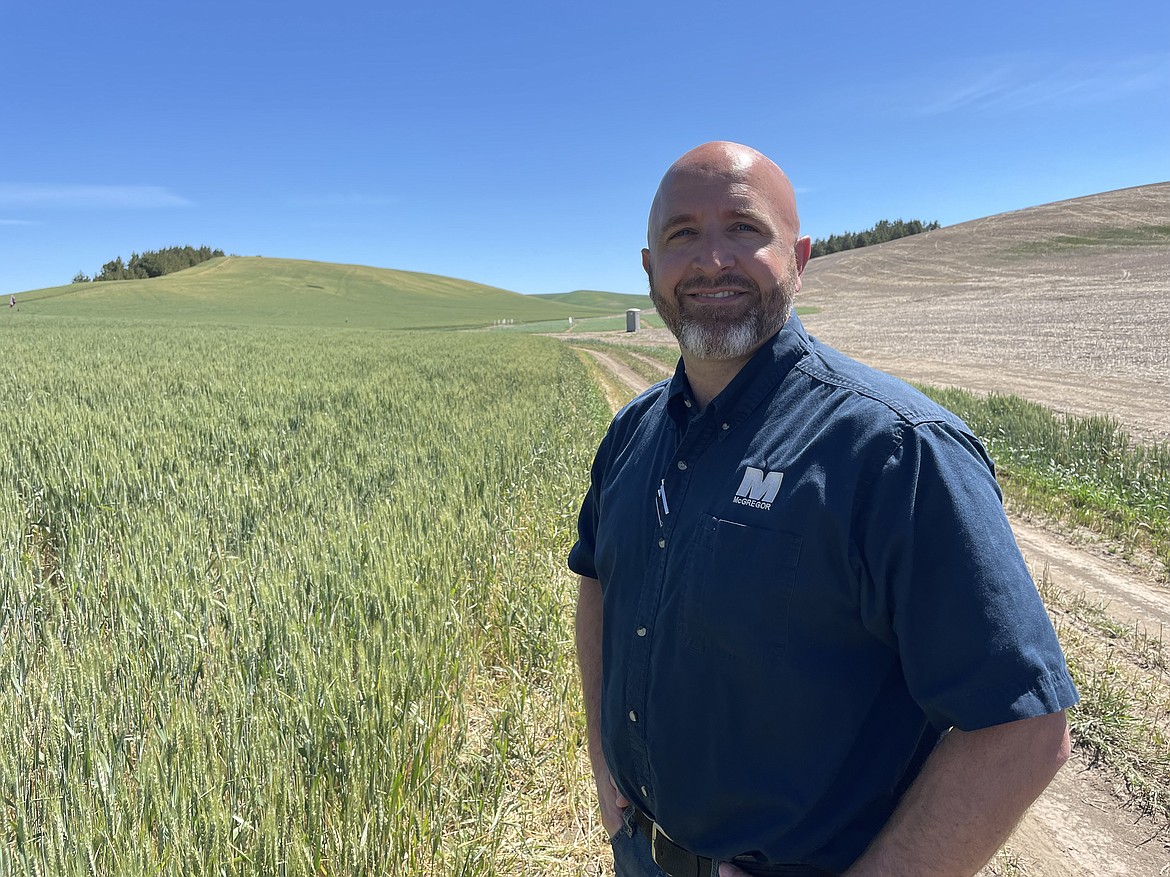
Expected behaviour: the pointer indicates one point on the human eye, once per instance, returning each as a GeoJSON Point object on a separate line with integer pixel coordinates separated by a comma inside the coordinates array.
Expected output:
{"type": "Point", "coordinates": [680, 233]}
{"type": "Point", "coordinates": [745, 226]}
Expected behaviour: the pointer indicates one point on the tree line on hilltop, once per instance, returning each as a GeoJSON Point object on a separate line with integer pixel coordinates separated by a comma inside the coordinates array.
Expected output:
{"type": "Point", "coordinates": [152, 263]}
{"type": "Point", "coordinates": [879, 234]}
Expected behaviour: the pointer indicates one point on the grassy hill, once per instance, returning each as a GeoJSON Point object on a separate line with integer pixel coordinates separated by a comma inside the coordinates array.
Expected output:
{"type": "Point", "coordinates": [593, 299]}
{"type": "Point", "coordinates": [286, 292]}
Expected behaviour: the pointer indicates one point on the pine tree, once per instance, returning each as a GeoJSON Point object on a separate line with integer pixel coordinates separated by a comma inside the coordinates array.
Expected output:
{"type": "Point", "coordinates": [880, 233]}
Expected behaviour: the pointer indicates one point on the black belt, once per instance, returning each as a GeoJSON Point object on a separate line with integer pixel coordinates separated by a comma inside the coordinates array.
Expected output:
{"type": "Point", "coordinates": [678, 862]}
{"type": "Point", "coordinates": [668, 855]}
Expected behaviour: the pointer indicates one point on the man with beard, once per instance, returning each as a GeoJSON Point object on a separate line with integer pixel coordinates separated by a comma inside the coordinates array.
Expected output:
{"type": "Point", "coordinates": [808, 642]}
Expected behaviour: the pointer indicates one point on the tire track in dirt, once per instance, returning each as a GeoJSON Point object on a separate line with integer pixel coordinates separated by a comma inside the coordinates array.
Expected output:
{"type": "Point", "coordinates": [661, 367]}
{"type": "Point", "coordinates": [1077, 828]}
{"type": "Point", "coordinates": [618, 370]}
{"type": "Point", "coordinates": [1127, 594]}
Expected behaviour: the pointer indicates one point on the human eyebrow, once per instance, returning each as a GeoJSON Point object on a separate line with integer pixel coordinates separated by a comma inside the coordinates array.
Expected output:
{"type": "Point", "coordinates": [752, 216]}
{"type": "Point", "coordinates": [675, 221]}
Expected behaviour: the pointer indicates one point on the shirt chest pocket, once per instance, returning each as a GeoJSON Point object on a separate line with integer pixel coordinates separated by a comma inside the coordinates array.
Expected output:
{"type": "Point", "coordinates": [738, 590]}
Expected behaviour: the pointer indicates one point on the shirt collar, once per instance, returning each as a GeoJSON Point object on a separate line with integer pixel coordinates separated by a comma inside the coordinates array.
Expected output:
{"type": "Point", "coordinates": [751, 385]}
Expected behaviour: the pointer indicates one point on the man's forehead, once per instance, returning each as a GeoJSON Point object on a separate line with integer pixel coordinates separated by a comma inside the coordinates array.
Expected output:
{"type": "Point", "coordinates": [713, 189]}
{"type": "Point", "coordinates": [729, 201]}
{"type": "Point", "coordinates": [724, 177]}
{"type": "Point", "coordinates": [685, 198]}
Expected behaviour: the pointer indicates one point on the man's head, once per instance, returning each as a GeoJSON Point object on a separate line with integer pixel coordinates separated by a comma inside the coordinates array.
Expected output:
{"type": "Point", "coordinates": [724, 252]}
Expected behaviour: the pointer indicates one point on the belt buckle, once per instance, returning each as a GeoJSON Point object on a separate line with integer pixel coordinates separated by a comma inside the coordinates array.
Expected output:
{"type": "Point", "coordinates": [655, 831]}
{"type": "Point", "coordinates": [669, 856]}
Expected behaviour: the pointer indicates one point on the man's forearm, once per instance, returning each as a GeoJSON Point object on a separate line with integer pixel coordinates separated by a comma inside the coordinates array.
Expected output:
{"type": "Point", "coordinates": [971, 793]}
{"type": "Point", "coordinates": [588, 635]}
{"type": "Point", "coordinates": [589, 628]}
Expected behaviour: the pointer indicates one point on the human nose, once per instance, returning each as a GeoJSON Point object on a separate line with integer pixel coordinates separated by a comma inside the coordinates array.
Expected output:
{"type": "Point", "coordinates": [714, 258]}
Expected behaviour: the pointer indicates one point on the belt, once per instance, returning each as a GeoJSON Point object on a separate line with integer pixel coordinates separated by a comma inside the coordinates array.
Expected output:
{"type": "Point", "coordinates": [679, 862]}
{"type": "Point", "coordinates": [669, 856]}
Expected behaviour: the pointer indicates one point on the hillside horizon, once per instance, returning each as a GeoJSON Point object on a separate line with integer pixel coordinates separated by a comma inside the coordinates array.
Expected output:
{"type": "Point", "coordinates": [259, 290]}
{"type": "Point", "coordinates": [916, 271]}
{"type": "Point", "coordinates": [575, 292]}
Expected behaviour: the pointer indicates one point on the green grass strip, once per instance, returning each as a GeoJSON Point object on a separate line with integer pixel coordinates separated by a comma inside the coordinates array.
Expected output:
{"type": "Point", "coordinates": [1135, 236]}
{"type": "Point", "coordinates": [1084, 471]}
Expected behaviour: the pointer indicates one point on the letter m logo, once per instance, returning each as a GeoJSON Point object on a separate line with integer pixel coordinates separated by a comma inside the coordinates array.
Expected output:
{"type": "Point", "coordinates": [756, 485]}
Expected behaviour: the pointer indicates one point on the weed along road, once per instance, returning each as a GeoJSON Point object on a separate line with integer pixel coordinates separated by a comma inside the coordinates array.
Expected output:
{"type": "Point", "coordinates": [1084, 825]}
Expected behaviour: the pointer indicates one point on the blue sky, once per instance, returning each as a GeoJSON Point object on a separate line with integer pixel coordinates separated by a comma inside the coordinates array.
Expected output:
{"type": "Point", "coordinates": [519, 143]}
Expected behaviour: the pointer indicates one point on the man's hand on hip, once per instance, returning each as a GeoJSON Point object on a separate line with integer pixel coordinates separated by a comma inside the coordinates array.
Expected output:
{"type": "Point", "coordinates": [611, 800]}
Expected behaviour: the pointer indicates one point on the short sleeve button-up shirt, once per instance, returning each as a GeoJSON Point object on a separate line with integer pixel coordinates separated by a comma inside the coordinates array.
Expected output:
{"type": "Point", "coordinates": [804, 586]}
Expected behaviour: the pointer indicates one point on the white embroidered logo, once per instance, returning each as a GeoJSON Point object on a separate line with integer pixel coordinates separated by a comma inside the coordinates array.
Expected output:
{"type": "Point", "coordinates": [757, 489]}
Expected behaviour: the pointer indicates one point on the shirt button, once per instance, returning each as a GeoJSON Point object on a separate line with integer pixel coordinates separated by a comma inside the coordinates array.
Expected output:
{"type": "Point", "coordinates": [687, 402]}
{"type": "Point", "coordinates": [641, 631]}
{"type": "Point", "coordinates": [661, 543]}
{"type": "Point", "coordinates": [633, 716]}
{"type": "Point", "coordinates": [645, 792]}
{"type": "Point", "coordinates": [682, 464]}
{"type": "Point", "coordinates": [727, 426]}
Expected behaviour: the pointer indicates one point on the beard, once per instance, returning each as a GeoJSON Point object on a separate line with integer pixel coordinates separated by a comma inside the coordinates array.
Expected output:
{"type": "Point", "coordinates": [712, 334]}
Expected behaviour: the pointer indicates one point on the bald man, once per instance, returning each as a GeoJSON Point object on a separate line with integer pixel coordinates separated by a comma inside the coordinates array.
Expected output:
{"type": "Point", "coordinates": [808, 642]}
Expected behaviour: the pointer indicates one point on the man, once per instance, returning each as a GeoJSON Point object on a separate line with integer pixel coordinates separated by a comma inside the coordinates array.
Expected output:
{"type": "Point", "coordinates": [808, 642]}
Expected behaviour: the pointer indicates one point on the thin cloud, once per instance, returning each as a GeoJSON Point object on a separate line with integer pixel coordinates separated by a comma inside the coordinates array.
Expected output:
{"type": "Point", "coordinates": [19, 222]}
{"type": "Point", "coordinates": [1015, 86]}
{"type": "Point", "coordinates": [56, 196]}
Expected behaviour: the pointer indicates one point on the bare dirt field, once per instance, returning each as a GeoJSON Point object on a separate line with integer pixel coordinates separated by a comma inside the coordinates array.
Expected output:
{"type": "Point", "coordinates": [1067, 305]}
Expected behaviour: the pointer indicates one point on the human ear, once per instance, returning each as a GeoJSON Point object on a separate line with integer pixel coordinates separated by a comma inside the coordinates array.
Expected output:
{"type": "Point", "coordinates": [803, 248]}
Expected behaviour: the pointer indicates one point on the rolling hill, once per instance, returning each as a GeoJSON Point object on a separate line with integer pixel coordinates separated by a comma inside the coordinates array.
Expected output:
{"type": "Point", "coordinates": [259, 291]}
{"type": "Point", "coordinates": [1065, 303]}
{"type": "Point", "coordinates": [592, 298]}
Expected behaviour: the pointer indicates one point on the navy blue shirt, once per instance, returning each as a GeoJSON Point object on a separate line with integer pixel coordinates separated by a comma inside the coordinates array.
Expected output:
{"type": "Point", "coordinates": [803, 586]}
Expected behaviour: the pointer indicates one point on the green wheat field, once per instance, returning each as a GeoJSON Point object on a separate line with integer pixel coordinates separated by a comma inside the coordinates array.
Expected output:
{"type": "Point", "coordinates": [287, 600]}
{"type": "Point", "coordinates": [284, 586]}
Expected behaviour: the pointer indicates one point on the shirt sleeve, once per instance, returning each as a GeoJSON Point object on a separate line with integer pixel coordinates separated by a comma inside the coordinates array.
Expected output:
{"type": "Point", "coordinates": [582, 554]}
{"type": "Point", "coordinates": [952, 589]}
